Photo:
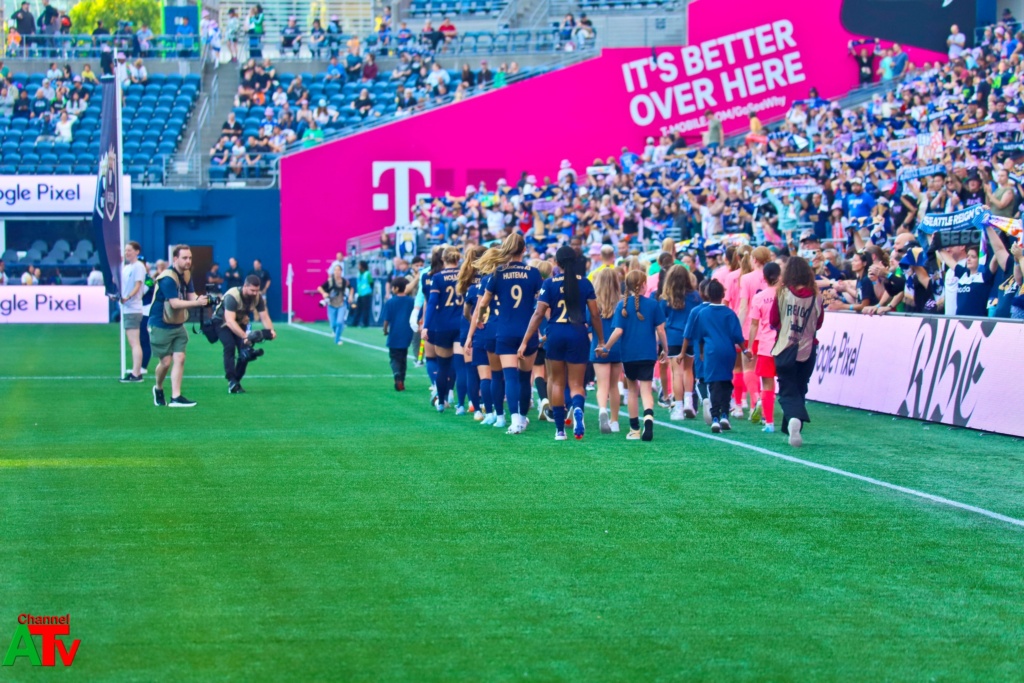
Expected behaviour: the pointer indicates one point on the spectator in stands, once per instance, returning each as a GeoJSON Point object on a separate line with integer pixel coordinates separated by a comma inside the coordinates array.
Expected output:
{"type": "Point", "coordinates": [233, 33]}
{"type": "Point", "coordinates": [254, 154]}
{"type": "Point", "coordinates": [64, 127]}
{"type": "Point", "coordinates": [25, 23]}
{"type": "Point", "coordinates": [144, 40]}
{"type": "Point", "coordinates": [8, 97]}
{"type": "Point", "coordinates": [297, 89]}
{"type": "Point", "coordinates": [54, 73]}
{"type": "Point", "coordinates": [430, 37]}
{"type": "Point", "coordinates": [237, 159]}
{"type": "Point", "coordinates": [317, 39]}
{"type": "Point", "coordinates": [291, 37]}
{"type": "Point", "coordinates": [232, 126]}
{"type": "Point", "coordinates": [29, 277]}
{"type": "Point", "coordinates": [3, 274]}
{"type": "Point", "coordinates": [501, 78]}
{"type": "Point", "coordinates": [353, 66]}
{"type": "Point", "coordinates": [303, 116]}
{"type": "Point", "coordinates": [585, 31]}
{"type": "Point", "coordinates": [369, 69]}
{"type": "Point", "coordinates": [405, 100]}
{"type": "Point", "coordinates": [254, 29]}
{"type": "Point", "coordinates": [468, 78]}
{"type": "Point", "coordinates": [184, 36]}
{"type": "Point", "coordinates": [566, 28]}
{"type": "Point", "coordinates": [313, 135]}
{"type": "Point", "coordinates": [324, 115]}
{"type": "Point", "coordinates": [485, 77]}
{"type": "Point", "coordinates": [220, 153]}
{"type": "Point", "coordinates": [404, 35]}
{"type": "Point", "coordinates": [403, 68]}
{"type": "Point", "coordinates": [23, 107]}
{"type": "Point", "coordinates": [334, 36]}
{"type": "Point", "coordinates": [865, 63]}
{"type": "Point", "coordinates": [280, 97]}
{"type": "Point", "coordinates": [448, 30]}
{"type": "Point", "coordinates": [334, 74]}
{"type": "Point", "coordinates": [513, 69]}
{"type": "Point", "coordinates": [437, 79]}
{"type": "Point", "coordinates": [956, 42]}
{"type": "Point", "coordinates": [137, 73]}
{"type": "Point", "coordinates": [268, 121]}
{"type": "Point", "coordinates": [89, 76]}
{"type": "Point", "coordinates": [363, 104]}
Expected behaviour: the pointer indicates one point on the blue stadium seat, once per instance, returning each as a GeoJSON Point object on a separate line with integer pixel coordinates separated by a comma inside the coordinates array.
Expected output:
{"type": "Point", "coordinates": [146, 149]}
{"type": "Point", "coordinates": [12, 159]}
{"type": "Point", "coordinates": [167, 147]}
{"type": "Point", "coordinates": [61, 147]}
{"type": "Point", "coordinates": [84, 169]}
{"type": "Point", "coordinates": [156, 174]}
{"type": "Point", "coordinates": [45, 169]}
{"type": "Point", "coordinates": [63, 169]}
{"type": "Point", "coordinates": [7, 169]}
{"type": "Point", "coordinates": [29, 158]}
{"type": "Point", "coordinates": [66, 159]}
{"type": "Point", "coordinates": [47, 158]}
{"type": "Point", "coordinates": [218, 174]}
{"type": "Point", "coordinates": [9, 148]}
{"type": "Point", "coordinates": [157, 78]}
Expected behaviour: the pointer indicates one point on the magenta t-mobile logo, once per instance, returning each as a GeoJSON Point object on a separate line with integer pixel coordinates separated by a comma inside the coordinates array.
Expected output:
{"type": "Point", "coordinates": [402, 204]}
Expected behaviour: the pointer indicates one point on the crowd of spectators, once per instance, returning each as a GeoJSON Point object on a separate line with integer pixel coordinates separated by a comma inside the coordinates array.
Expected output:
{"type": "Point", "coordinates": [854, 191]}
{"type": "Point", "coordinates": [52, 34]}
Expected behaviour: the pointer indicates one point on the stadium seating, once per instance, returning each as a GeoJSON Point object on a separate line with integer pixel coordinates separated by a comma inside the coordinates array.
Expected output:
{"type": "Point", "coordinates": [60, 255]}
{"type": "Point", "coordinates": [426, 8]}
{"type": "Point", "coordinates": [153, 120]}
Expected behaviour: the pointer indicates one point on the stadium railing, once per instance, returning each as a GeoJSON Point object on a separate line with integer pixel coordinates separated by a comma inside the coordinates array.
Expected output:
{"type": "Point", "coordinates": [84, 46]}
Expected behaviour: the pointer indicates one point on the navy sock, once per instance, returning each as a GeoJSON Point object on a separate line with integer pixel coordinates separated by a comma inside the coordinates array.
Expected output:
{"type": "Point", "coordinates": [473, 386]}
{"type": "Point", "coordinates": [542, 387]}
{"type": "Point", "coordinates": [578, 401]}
{"type": "Point", "coordinates": [461, 380]}
{"type": "Point", "coordinates": [634, 423]}
{"type": "Point", "coordinates": [498, 392]}
{"type": "Point", "coordinates": [525, 391]}
{"type": "Point", "coordinates": [558, 412]}
{"type": "Point", "coordinates": [485, 395]}
{"type": "Point", "coordinates": [432, 370]}
{"type": "Point", "coordinates": [511, 376]}
{"type": "Point", "coordinates": [444, 369]}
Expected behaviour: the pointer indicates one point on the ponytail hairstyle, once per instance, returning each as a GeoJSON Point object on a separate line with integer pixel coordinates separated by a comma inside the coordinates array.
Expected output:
{"type": "Point", "coordinates": [772, 272]}
{"type": "Point", "coordinates": [510, 250]}
{"type": "Point", "coordinates": [467, 273]}
{"type": "Point", "coordinates": [636, 282]}
{"type": "Point", "coordinates": [608, 290]}
{"type": "Point", "coordinates": [678, 284]}
{"type": "Point", "coordinates": [573, 270]}
{"type": "Point", "coordinates": [744, 254]}
{"type": "Point", "coordinates": [450, 256]}
{"type": "Point", "coordinates": [665, 260]}
{"type": "Point", "coordinates": [763, 256]}
{"type": "Point", "coordinates": [702, 288]}
{"type": "Point", "coordinates": [436, 260]}
{"type": "Point", "coordinates": [731, 258]}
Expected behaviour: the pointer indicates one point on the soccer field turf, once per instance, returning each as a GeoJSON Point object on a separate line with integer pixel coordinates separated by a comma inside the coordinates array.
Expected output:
{"type": "Point", "coordinates": [324, 527]}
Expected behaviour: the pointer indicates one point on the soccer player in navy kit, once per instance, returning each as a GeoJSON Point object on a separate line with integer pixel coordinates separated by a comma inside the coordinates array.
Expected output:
{"type": "Point", "coordinates": [469, 290]}
{"type": "Point", "coordinates": [441, 320]}
{"type": "Point", "coordinates": [515, 285]}
{"type": "Point", "coordinates": [567, 344]}
{"type": "Point", "coordinates": [488, 365]}
{"type": "Point", "coordinates": [640, 323]}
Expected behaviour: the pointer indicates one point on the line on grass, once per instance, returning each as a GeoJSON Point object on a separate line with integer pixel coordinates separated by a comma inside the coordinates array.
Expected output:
{"type": "Point", "coordinates": [33, 378]}
{"type": "Point", "coordinates": [782, 456]}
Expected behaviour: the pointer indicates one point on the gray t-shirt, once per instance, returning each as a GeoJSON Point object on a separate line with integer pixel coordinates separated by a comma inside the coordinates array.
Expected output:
{"type": "Point", "coordinates": [130, 274]}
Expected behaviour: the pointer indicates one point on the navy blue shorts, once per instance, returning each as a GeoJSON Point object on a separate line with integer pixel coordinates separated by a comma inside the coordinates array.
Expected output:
{"type": "Point", "coordinates": [509, 346]}
{"type": "Point", "coordinates": [480, 354]}
{"type": "Point", "coordinates": [490, 345]}
{"type": "Point", "coordinates": [444, 338]}
{"type": "Point", "coordinates": [568, 344]}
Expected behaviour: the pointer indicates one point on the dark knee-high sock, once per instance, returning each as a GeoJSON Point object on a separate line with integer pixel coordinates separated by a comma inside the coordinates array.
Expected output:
{"type": "Point", "coordinates": [444, 370]}
{"type": "Point", "coordinates": [498, 392]}
{"type": "Point", "coordinates": [473, 386]}
{"type": "Point", "coordinates": [525, 391]}
{"type": "Point", "coordinates": [558, 414]}
{"type": "Point", "coordinates": [461, 380]}
{"type": "Point", "coordinates": [578, 401]}
{"type": "Point", "coordinates": [432, 370]}
{"type": "Point", "coordinates": [485, 395]}
{"type": "Point", "coordinates": [511, 376]}
{"type": "Point", "coordinates": [542, 387]}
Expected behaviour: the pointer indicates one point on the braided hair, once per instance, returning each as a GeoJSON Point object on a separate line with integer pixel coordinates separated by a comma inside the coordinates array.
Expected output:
{"type": "Point", "coordinates": [636, 281]}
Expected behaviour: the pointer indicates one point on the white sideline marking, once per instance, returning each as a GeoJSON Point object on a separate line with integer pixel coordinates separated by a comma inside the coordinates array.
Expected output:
{"type": "Point", "coordinates": [788, 458]}
{"type": "Point", "coordinates": [43, 378]}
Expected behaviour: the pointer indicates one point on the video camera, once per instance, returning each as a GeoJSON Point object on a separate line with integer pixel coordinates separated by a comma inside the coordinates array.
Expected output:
{"type": "Point", "coordinates": [214, 295]}
{"type": "Point", "coordinates": [248, 353]}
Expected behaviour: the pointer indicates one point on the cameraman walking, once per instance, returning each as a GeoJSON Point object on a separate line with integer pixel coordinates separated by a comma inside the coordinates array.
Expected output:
{"type": "Point", "coordinates": [236, 310]}
{"type": "Point", "coordinates": [175, 295]}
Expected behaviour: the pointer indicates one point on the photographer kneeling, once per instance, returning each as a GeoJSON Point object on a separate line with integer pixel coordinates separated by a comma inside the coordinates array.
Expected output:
{"type": "Point", "coordinates": [236, 310]}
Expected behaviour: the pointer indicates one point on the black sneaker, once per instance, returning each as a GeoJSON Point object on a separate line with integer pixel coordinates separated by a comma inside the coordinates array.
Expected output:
{"type": "Point", "coordinates": [129, 378]}
{"type": "Point", "coordinates": [235, 388]}
{"type": "Point", "coordinates": [180, 402]}
{"type": "Point", "coordinates": [158, 397]}
{"type": "Point", "coordinates": [648, 433]}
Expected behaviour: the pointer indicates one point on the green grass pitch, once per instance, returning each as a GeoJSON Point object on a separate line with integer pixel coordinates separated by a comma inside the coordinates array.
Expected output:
{"type": "Point", "coordinates": [324, 527]}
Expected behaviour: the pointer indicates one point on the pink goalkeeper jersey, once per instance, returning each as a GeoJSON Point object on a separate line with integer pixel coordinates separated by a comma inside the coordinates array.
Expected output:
{"type": "Point", "coordinates": [732, 290]}
{"type": "Point", "coordinates": [750, 284]}
{"type": "Point", "coordinates": [761, 311]}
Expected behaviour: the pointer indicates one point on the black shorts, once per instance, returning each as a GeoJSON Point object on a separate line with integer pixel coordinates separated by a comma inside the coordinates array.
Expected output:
{"type": "Point", "coordinates": [674, 351]}
{"type": "Point", "coordinates": [639, 370]}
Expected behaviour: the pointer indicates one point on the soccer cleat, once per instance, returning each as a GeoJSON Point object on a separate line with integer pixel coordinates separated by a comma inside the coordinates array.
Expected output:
{"type": "Point", "coordinates": [755, 414]}
{"type": "Point", "coordinates": [433, 400]}
{"type": "Point", "coordinates": [604, 421]}
{"type": "Point", "coordinates": [725, 424]}
{"type": "Point", "coordinates": [235, 388]}
{"type": "Point", "coordinates": [634, 435]}
{"type": "Point", "coordinates": [796, 439]}
{"type": "Point", "coordinates": [578, 428]}
{"type": "Point", "coordinates": [400, 385]}
{"type": "Point", "coordinates": [768, 429]}
{"type": "Point", "coordinates": [568, 421]}
{"type": "Point", "coordinates": [737, 412]}
{"type": "Point", "coordinates": [489, 419]}
{"type": "Point", "coordinates": [677, 413]}
{"type": "Point", "coordinates": [158, 397]}
{"type": "Point", "coordinates": [543, 411]}
{"type": "Point", "coordinates": [716, 428]}
{"type": "Point", "coordinates": [499, 422]}
{"type": "Point", "coordinates": [560, 436]}
{"type": "Point", "coordinates": [479, 416]}
{"type": "Point", "coordinates": [440, 407]}
{"type": "Point", "coordinates": [615, 426]}
{"type": "Point", "coordinates": [129, 378]}
{"type": "Point", "coordinates": [181, 402]}
{"type": "Point", "coordinates": [664, 401]}
{"type": "Point", "coordinates": [705, 406]}
{"type": "Point", "coordinates": [648, 434]}
{"type": "Point", "coordinates": [460, 411]}
{"type": "Point", "coordinates": [516, 427]}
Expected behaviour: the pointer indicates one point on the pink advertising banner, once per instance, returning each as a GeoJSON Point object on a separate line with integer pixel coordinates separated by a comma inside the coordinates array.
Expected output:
{"type": "Point", "coordinates": [936, 369]}
{"type": "Point", "coordinates": [54, 304]}
{"type": "Point", "coordinates": [757, 56]}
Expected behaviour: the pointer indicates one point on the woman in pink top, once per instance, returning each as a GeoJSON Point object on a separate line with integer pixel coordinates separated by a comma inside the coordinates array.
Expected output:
{"type": "Point", "coordinates": [732, 299]}
{"type": "Point", "coordinates": [762, 341]}
{"type": "Point", "coordinates": [750, 284]}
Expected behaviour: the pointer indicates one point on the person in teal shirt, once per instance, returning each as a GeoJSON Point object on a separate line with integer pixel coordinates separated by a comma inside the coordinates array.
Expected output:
{"type": "Point", "coordinates": [364, 295]}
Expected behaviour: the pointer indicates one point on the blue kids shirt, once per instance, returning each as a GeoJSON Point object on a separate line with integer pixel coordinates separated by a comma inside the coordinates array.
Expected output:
{"type": "Point", "coordinates": [444, 303]}
{"type": "Point", "coordinates": [676, 319]}
{"type": "Point", "coordinates": [553, 294]}
{"type": "Point", "coordinates": [718, 329]}
{"type": "Point", "coordinates": [515, 287]}
{"type": "Point", "coordinates": [639, 337]}
{"type": "Point", "coordinates": [691, 325]}
{"type": "Point", "coordinates": [397, 311]}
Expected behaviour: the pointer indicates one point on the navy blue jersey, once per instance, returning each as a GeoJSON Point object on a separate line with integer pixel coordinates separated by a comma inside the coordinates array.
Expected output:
{"type": "Point", "coordinates": [444, 303]}
{"type": "Point", "coordinates": [639, 337]}
{"type": "Point", "coordinates": [677, 318]}
{"type": "Point", "coordinates": [515, 286]}
{"type": "Point", "coordinates": [397, 311]}
{"type": "Point", "coordinates": [472, 295]}
{"type": "Point", "coordinates": [691, 324]}
{"type": "Point", "coordinates": [717, 329]}
{"type": "Point", "coordinates": [553, 294]}
{"type": "Point", "coordinates": [488, 316]}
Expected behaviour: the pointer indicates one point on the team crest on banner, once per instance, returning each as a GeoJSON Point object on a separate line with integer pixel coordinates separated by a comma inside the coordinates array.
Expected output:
{"type": "Point", "coordinates": [106, 214]}
{"type": "Point", "coordinates": [109, 189]}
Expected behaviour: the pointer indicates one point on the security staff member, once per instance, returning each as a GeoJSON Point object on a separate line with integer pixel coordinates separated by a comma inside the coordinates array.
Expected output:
{"type": "Point", "coordinates": [236, 310]}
